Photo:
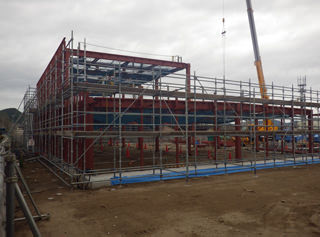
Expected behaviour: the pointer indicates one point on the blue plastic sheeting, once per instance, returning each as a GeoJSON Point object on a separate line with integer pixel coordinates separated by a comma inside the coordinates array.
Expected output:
{"type": "Point", "coordinates": [206, 172]}
{"type": "Point", "coordinates": [296, 138]}
{"type": "Point", "coordinates": [288, 138]}
{"type": "Point", "coordinates": [139, 79]}
{"type": "Point", "coordinates": [278, 137]}
{"type": "Point", "coordinates": [167, 118]}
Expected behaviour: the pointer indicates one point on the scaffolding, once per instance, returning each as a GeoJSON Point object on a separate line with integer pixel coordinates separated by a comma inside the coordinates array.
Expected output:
{"type": "Point", "coordinates": [99, 117]}
{"type": "Point", "coordinates": [29, 107]}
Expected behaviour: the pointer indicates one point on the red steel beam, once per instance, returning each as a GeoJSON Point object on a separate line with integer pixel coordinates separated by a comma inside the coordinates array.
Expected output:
{"type": "Point", "coordinates": [200, 105]}
{"type": "Point", "coordinates": [124, 58]}
{"type": "Point", "coordinates": [310, 127]}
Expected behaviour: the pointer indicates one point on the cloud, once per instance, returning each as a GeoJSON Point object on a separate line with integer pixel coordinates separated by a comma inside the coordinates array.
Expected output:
{"type": "Point", "coordinates": [287, 32]}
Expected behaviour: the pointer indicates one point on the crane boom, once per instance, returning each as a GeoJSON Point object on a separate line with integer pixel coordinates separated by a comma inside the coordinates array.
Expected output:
{"type": "Point", "coordinates": [257, 62]}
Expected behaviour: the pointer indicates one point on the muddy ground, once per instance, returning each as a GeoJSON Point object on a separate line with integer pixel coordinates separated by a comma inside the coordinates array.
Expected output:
{"type": "Point", "coordinates": [277, 202]}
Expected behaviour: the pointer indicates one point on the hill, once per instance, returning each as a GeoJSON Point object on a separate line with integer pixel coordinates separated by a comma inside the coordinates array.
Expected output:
{"type": "Point", "coordinates": [8, 116]}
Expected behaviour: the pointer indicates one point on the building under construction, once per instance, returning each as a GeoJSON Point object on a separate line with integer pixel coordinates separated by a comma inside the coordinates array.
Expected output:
{"type": "Point", "coordinates": [99, 117]}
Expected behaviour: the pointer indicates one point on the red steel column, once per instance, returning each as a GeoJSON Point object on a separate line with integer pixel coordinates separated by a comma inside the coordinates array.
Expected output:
{"type": "Point", "coordinates": [256, 124]}
{"type": "Point", "coordinates": [88, 141]}
{"type": "Point", "coordinates": [193, 137]}
{"type": "Point", "coordinates": [141, 140]}
{"type": "Point", "coordinates": [157, 143]}
{"type": "Point", "coordinates": [292, 127]}
{"type": "Point", "coordinates": [141, 129]}
{"type": "Point", "coordinates": [189, 145]}
{"type": "Point", "coordinates": [238, 140]}
{"type": "Point", "coordinates": [238, 128]}
{"type": "Point", "coordinates": [215, 138]}
{"type": "Point", "coordinates": [123, 138]}
{"type": "Point", "coordinates": [188, 101]}
{"type": "Point", "coordinates": [282, 137]}
{"type": "Point", "coordinates": [266, 129]}
{"type": "Point", "coordinates": [65, 140]}
{"type": "Point", "coordinates": [113, 117]}
{"type": "Point", "coordinates": [310, 128]}
{"type": "Point", "coordinates": [157, 104]}
{"type": "Point", "coordinates": [188, 77]}
{"type": "Point", "coordinates": [176, 140]}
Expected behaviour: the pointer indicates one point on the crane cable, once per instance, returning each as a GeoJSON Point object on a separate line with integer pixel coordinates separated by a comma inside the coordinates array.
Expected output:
{"type": "Point", "coordinates": [223, 34]}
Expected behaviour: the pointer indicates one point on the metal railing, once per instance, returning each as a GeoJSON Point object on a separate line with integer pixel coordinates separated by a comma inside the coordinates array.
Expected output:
{"type": "Point", "coordinates": [2, 197]}
{"type": "Point", "coordinates": [4, 148]}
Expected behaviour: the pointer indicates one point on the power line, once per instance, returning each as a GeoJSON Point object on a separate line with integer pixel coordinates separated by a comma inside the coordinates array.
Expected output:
{"type": "Point", "coordinates": [223, 34]}
{"type": "Point", "coordinates": [129, 51]}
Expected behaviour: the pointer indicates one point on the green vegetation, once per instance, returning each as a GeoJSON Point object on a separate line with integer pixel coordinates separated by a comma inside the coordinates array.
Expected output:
{"type": "Point", "coordinates": [8, 117]}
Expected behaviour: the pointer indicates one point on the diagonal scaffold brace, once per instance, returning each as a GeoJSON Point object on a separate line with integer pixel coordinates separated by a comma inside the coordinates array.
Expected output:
{"type": "Point", "coordinates": [13, 175]}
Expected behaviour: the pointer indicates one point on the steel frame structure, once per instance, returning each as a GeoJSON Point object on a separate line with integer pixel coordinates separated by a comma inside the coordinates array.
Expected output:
{"type": "Point", "coordinates": [86, 101]}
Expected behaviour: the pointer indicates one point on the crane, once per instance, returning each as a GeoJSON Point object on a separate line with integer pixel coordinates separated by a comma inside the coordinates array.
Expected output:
{"type": "Point", "coordinates": [257, 62]}
{"type": "Point", "coordinates": [268, 124]}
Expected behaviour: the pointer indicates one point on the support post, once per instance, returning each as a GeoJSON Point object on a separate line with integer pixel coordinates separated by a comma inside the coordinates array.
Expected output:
{"type": "Point", "coordinates": [141, 139]}
{"type": "Point", "coordinates": [256, 124]}
{"type": "Point", "coordinates": [123, 142]}
{"type": "Point", "coordinates": [158, 105]}
{"type": "Point", "coordinates": [238, 140]}
{"type": "Point", "coordinates": [26, 211]}
{"type": "Point", "coordinates": [11, 179]}
{"type": "Point", "coordinates": [266, 129]}
{"type": "Point", "coordinates": [176, 140]}
{"type": "Point", "coordinates": [88, 141]}
{"type": "Point", "coordinates": [282, 137]}
{"type": "Point", "coordinates": [310, 128]}
{"type": "Point", "coordinates": [141, 129]}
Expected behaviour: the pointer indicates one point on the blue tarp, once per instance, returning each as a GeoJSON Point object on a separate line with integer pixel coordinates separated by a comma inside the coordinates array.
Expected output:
{"type": "Point", "coordinates": [207, 172]}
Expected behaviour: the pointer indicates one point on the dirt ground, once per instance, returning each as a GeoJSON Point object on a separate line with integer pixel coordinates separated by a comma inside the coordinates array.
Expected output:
{"type": "Point", "coordinates": [277, 202]}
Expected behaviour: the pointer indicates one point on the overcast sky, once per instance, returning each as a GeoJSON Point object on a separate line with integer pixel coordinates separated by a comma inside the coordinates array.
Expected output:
{"type": "Point", "coordinates": [288, 33]}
